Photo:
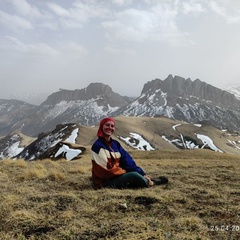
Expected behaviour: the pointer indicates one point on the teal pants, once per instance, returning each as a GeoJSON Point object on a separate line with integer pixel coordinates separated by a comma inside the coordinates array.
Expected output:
{"type": "Point", "coordinates": [128, 180]}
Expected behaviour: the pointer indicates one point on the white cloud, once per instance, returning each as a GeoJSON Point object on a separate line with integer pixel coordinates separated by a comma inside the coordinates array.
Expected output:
{"type": "Point", "coordinates": [50, 25]}
{"type": "Point", "coordinates": [76, 15]}
{"type": "Point", "coordinates": [118, 51]}
{"type": "Point", "coordinates": [24, 8]}
{"type": "Point", "coordinates": [192, 7]}
{"type": "Point", "coordinates": [14, 22]}
{"type": "Point", "coordinates": [122, 2]}
{"type": "Point", "coordinates": [131, 24]}
{"type": "Point", "coordinates": [73, 50]}
{"type": "Point", "coordinates": [40, 49]}
{"type": "Point", "coordinates": [92, 10]}
{"type": "Point", "coordinates": [220, 10]}
{"type": "Point", "coordinates": [70, 50]}
{"type": "Point", "coordinates": [155, 24]}
{"type": "Point", "coordinates": [226, 10]}
{"type": "Point", "coordinates": [58, 10]}
{"type": "Point", "coordinates": [16, 42]}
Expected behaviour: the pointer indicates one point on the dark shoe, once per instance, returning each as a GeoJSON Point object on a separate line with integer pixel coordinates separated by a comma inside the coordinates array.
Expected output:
{"type": "Point", "coordinates": [160, 180]}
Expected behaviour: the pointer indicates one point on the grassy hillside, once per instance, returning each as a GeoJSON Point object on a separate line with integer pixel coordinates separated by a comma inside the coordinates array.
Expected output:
{"type": "Point", "coordinates": [152, 130]}
{"type": "Point", "coordinates": [55, 200]}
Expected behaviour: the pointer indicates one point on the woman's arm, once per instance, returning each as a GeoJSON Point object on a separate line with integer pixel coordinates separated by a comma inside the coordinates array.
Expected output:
{"type": "Point", "coordinates": [127, 162]}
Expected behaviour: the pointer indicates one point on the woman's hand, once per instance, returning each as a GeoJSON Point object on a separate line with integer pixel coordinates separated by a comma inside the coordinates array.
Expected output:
{"type": "Point", "coordinates": [150, 182]}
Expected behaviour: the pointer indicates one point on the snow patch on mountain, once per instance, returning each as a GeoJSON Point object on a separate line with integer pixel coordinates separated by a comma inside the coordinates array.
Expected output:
{"type": "Point", "coordinates": [68, 152]}
{"type": "Point", "coordinates": [73, 136]}
{"type": "Point", "coordinates": [207, 141]}
{"type": "Point", "coordinates": [234, 143]}
{"type": "Point", "coordinates": [13, 147]}
{"type": "Point", "coordinates": [188, 144]}
{"type": "Point", "coordinates": [175, 126]}
{"type": "Point", "coordinates": [59, 143]}
{"type": "Point", "coordinates": [13, 150]}
{"type": "Point", "coordinates": [150, 104]}
{"type": "Point", "coordinates": [89, 107]}
{"type": "Point", "coordinates": [234, 90]}
{"type": "Point", "coordinates": [181, 143]}
{"type": "Point", "coordinates": [197, 125]}
{"type": "Point", "coordinates": [138, 142]}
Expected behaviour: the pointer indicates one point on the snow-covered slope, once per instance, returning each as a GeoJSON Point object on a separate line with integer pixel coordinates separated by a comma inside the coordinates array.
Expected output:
{"type": "Point", "coordinates": [59, 143]}
{"type": "Point", "coordinates": [234, 90]}
{"type": "Point", "coordinates": [186, 100]}
{"type": "Point", "coordinates": [86, 107]}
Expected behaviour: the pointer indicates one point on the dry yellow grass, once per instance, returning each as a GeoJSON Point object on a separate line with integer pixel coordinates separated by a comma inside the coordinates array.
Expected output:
{"type": "Point", "coordinates": [55, 200]}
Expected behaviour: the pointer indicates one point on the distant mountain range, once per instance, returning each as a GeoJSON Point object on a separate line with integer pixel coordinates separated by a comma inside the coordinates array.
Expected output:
{"type": "Point", "coordinates": [175, 97]}
{"type": "Point", "coordinates": [34, 98]}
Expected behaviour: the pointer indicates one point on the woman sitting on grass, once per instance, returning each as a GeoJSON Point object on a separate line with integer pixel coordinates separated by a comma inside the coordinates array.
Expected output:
{"type": "Point", "coordinates": [112, 166]}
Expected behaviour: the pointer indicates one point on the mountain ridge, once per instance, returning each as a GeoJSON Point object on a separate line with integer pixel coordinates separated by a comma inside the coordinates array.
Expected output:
{"type": "Point", "coordinates": [175, 97]}
{"type": "Point", "coordinates": [186, 100]}
{"type": "Point", "coordinates": [134, 133]}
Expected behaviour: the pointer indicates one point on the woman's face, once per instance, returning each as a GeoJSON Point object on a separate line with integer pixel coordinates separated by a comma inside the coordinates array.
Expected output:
{"type": "Point", "coordinates": [108, 128]}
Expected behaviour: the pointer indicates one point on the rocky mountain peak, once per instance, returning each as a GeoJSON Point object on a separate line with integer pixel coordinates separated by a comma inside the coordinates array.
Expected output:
{"type": "Point", "coordinates": [93, 91]}
{"type": "Point", "coordinates": [96, 89]}
{"type": "Point", "coordinates": [186, 100]}
{"type": "Point", "coordinates": [186, 88]}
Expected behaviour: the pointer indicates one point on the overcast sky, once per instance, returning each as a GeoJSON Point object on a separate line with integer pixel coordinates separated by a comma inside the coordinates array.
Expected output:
{"type": "Point", "coordinates": [50, 44]}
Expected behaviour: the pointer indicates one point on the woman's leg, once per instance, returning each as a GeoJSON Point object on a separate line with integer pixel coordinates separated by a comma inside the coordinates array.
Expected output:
{"type": "Point", "coordinates": [128, 180]}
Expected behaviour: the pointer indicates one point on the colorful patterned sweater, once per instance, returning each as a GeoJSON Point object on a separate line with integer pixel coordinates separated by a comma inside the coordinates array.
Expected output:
{"type": "Point", "coordinates": [110, 160]}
